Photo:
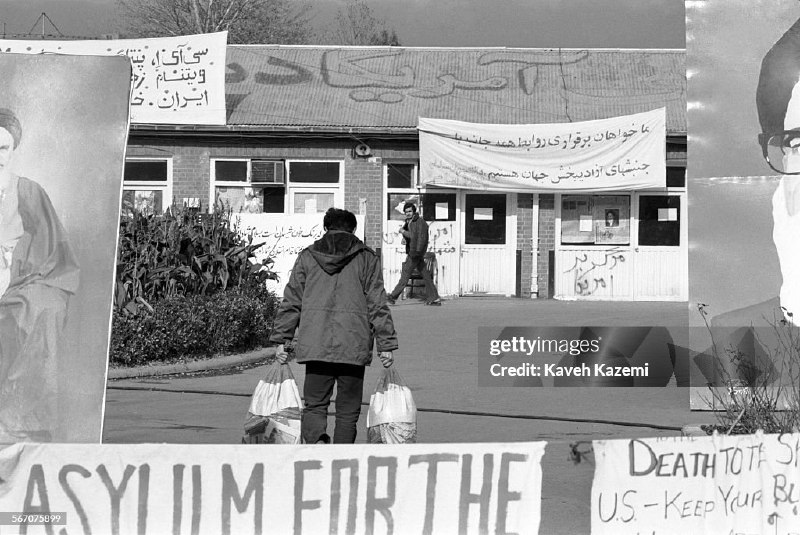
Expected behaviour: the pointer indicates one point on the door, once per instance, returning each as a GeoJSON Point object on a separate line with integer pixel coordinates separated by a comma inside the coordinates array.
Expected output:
{"type": "Point", "coordinates": [661, 256]}
{"type": "Point", "coordinates": [489, 243]}
{"type": "Point", "coordinates": [439, 209]}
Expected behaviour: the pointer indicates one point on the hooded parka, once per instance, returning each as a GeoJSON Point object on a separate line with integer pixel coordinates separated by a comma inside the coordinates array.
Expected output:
{"type": "Point", "coordinates": [336, 303]}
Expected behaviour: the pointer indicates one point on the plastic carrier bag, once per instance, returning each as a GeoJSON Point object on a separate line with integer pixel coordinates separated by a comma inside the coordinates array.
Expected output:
{"type": "Point", "coordinates": [392, 416]}
{"type": "Point", "coordinates": [274, 415]}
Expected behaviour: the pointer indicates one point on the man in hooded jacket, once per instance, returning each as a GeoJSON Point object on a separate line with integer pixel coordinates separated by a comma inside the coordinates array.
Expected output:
{"type": "Point", "coordinates": [335, 308]}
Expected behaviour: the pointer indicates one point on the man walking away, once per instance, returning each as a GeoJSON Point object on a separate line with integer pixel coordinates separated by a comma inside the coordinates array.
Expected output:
{"type": "Point", "coordinates": [415, 232]}
{"type": "Point", "coordinates": [335, 307]}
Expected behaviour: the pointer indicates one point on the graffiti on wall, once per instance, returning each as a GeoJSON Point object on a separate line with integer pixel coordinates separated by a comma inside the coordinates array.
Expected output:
{"type": "Point", "coordinates": [589, 279]}
{"type": "Point", "coordinates": [442, 241]}
{"type": "Point", "coordinates": [391, 76]}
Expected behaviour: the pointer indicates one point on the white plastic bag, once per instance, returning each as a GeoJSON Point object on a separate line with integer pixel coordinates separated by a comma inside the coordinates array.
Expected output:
{"type": "Point", "coordinates": [274, 415]}
{"type": "Point", "coordinates": [392, 415]}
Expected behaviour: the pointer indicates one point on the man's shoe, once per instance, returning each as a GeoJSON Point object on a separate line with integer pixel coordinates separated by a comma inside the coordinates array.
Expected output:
{"type": "Point", "coordinates": [391, 300]}
{"type": "Point", "coordinates": [435, 303]}
{"type": "Point", "coordinates": [324, 439]}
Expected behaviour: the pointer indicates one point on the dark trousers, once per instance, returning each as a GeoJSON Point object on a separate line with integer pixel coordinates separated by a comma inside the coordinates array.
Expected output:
{"type": "Point", "coordinates": [417, 262]}
{"type": "Point", "coordinates": [317, 390]}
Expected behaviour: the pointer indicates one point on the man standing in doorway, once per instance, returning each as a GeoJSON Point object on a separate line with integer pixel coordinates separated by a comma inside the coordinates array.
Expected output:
{"type": "Point", "coordinates": [415, 233]}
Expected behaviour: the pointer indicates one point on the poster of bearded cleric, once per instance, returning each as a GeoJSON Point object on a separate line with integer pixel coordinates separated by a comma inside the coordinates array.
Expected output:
{"type": "Point", "coordinates": [743, 64]}
{"type": "Point", "coordinates": [63, 130]}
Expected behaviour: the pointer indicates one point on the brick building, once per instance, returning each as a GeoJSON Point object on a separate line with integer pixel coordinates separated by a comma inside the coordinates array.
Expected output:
{"type": "Point", "coordinates": [311, 127]}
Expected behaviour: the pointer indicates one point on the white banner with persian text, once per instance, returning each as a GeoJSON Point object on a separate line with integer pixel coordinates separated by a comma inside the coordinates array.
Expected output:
{"type": "Point", "coordinates": [175, 80]}
{"type": "Point", "coordinates": [283, 236]}
{"type": "Point", "coordinates": [722, 484]}
{"type": "Point", "coordinates": [621, 153]}
{"type": "Point", "coordinates": [216, 489]}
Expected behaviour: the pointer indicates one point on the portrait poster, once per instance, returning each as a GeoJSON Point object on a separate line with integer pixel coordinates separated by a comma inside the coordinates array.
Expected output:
{"type": "Point", "coordinates": [742, 71]}
{"type": "Point", "coordinates": [612, 221]}
{"type": "Point", "coordinates": [63, 126]}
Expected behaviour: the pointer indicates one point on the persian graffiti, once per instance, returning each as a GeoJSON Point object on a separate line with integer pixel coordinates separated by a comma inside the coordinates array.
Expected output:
{"type": "Point", "coordinates": [532, 69]}
{"type": "Point", "coordinates": [588, 279]}
{"type": "Point", "coordinates": [393, 76]}
{"type": "Point", "coordinates": [442, 242]}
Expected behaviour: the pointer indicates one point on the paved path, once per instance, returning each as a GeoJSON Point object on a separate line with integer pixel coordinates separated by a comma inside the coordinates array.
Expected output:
{"type": "Point", "coordinates": [438, 358]}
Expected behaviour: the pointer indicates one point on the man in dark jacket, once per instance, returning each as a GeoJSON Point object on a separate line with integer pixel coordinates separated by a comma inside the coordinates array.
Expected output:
{"type": "Point", "coordinates": [415, 232]}
{"type": "Point", "coordinates": [335, 307]}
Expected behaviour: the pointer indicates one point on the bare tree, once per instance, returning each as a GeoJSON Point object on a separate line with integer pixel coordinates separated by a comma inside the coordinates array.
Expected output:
{"type": "Point", "coordinates": [246, 21]}
{"type": "Point", "coordinates": [356, 24]}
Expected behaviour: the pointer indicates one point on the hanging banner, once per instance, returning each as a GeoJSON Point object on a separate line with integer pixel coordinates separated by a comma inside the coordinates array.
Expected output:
{"type": "Point", "coordinates": [175, 80]}
{"type": "Point", "coordinates": [283, 236]}
{"type": "Point", "coordinates": [223, 489]}
{"type": "Point", "coordinates": [722, 484]}
{"type": "Point", "coordinates": [621, 153]}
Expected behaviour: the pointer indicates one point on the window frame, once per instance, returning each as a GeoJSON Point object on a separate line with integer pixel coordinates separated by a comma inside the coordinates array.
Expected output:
{"type": "Point", "coordinates": [214, 183]}
{"type": "Point", "coordinates": [313, 187]}
{"type": "Point", "coordinates": [414, 189]}
{"type": "Point", "coordinates": [164, 186]}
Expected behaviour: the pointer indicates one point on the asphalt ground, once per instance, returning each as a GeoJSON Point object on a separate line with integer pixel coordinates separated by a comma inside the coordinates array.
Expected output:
{"type": "Point", "coordinates": [438, 359]}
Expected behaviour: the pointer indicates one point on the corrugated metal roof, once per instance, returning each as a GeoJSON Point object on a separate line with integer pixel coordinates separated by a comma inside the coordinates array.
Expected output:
{"type": "Point", "coordinates": [390, 87]}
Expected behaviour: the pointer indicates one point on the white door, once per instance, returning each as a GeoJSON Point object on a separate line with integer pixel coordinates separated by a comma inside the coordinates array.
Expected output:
{"type": "Point", "coordinates": [660, 267]}
{"type": "Point", "coordinates": [488, 243]}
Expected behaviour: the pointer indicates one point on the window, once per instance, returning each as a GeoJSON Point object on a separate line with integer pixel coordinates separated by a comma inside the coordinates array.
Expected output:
{"type": "Point", "coordinates": [595, 219]}
{"type": "Point", "coordinates": [485, 219]}
{"type": "Point", "coordinates": [314, 186]}
{"type": "Point", "coordinates": [146, 185]}
{"type": "Point", "coordinates": [439, 206]}
{"type": "Point", "coordinates": [676, 177]}
{"type": "Point", "coordinates": [250, 186]}
{"type": "Point", "coordinates": [401, 187]}
{"type": "Point", "coordinates": [659, 220]}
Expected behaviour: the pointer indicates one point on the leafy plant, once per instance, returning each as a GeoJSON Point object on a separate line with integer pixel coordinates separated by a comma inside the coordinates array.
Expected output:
{"type": "Point", "coordinates": [181, 253]}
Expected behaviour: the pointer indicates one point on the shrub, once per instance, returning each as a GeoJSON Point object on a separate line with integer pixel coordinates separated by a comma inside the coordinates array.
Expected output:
{"type": "Point", "coordinates": [750, 399]}
{"type": "Point", "coordinates": [237, 319]}
{"type": "Point", "coordinates": [180, 253]}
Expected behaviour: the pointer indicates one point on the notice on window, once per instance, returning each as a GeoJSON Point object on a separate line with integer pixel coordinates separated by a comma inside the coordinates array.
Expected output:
{"type": "Point", "coordinates": [484, 214]}
{"type": "Point", "coordinates": [310, 206]}
{"type": "Point", "coordinates": [585, 223]}
{"type": "Point", "coordinates": [667, 214]}
{"type": "Point", "coordinates": [442, 211]}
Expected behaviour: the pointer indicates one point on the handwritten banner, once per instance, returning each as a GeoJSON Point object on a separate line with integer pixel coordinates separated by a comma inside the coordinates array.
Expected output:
{"type": "Point", "coordinates": [175, 80]}
{"type": "Point", "coordinates": [721, 484]}
{"type": "Point", "coordinates": [410, 488]}
{"type": "Point", "coordinates": [621, 153]}
{"type": "Point", "coordinates": [283, 236]}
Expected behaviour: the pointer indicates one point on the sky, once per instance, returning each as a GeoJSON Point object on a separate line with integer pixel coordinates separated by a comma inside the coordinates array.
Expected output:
{"type": "Point", "coordinates": [513, 23]}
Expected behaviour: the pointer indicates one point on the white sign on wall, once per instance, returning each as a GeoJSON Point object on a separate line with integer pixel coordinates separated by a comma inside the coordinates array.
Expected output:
{"type": "Point", "coordinates": [284, 236]}
{"type": "Point", "coordinates": [175, 80]}
{"type": "Point", "coordinates": [627, 152]}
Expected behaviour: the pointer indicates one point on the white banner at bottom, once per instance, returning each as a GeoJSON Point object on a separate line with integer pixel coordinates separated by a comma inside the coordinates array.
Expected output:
{"type": "Point", "coordinates": [737, 484]}
{"type": "Point", "coordinates": [181, 489]}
